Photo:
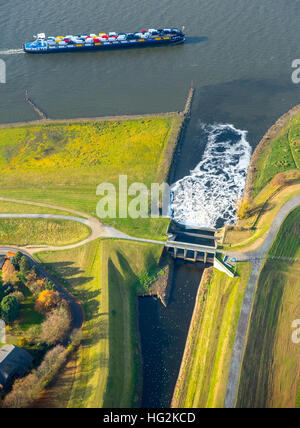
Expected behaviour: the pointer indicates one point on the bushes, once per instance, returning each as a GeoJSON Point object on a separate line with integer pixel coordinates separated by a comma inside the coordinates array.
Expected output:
{"type": "Point", "coordinates": [35, 284]}
{"type": "Point", "coordinates": [279, 180]}
{"type": "Point", "coordinates": [26, 390]}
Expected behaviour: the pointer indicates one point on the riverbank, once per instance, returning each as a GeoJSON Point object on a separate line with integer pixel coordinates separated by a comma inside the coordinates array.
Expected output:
{"type": "Point", "coordinates": [64, 161]}
{"type": "Point", "coordinates": [273, 179]}
{"type": "Point", "coordinates": [270, 372]}
{"type": "Point", "coordinates": [205, 366]}
{"type": "Point", "coordinates": [258, 157]}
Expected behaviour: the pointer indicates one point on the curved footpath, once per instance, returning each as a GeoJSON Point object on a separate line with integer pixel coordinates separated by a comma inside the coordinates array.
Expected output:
{"type": "Point", "coordinates": [98, 229]}
{"type": "Point", "coordinates": [256, 258]}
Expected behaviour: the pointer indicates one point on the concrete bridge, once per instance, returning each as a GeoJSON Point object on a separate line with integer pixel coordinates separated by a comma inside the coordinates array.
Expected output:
{"type": "Point", "coordinates": [191, 243]}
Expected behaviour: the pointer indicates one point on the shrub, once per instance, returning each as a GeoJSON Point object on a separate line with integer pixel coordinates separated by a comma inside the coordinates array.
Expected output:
{"type": "Point", "coordinates": [9, 308]}
{"type": "Point", "coordinates": [22, 342]}
{"type": "Point", "coordinates": [47, 300]}
{"type": "Point", "coordinates": [19, 296]}
{"type": "Point", "coordinates": [279, 180]}
{"type": "Point", "coordinates": [243, 208]}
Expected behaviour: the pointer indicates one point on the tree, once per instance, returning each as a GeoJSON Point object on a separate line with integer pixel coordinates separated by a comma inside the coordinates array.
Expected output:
{"type": "Point", "coordinates": [49, 285]}
{"type": "Point", "coordinates": [47, 300]}
{"type": "Point", "coordinates": [16, 260]}
{"type": "Point", "coordinates": [279, 180]}
{"type": "Point", "coordinates": [243, 208]}
{"type": "Point", "coordinates": [9, 308]}
{"type": "Point", "coordinates": [56, 326]}
{"type": "Point", "coordinates": [9, 273]}
{"type": "Point", "coordinates": [24, 265]}
{"type": "Point", "coordinates": [35, 285]}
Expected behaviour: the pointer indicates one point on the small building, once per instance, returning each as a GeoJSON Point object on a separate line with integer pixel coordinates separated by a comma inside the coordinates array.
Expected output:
{"type": "Point", "coordinates": [14, 362]}
{"type": "Point", "coordinates": [10, 255]}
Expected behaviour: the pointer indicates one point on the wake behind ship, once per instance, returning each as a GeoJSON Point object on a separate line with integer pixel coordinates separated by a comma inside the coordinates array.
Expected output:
{"type": "Point", "coordinates": [103, 41]}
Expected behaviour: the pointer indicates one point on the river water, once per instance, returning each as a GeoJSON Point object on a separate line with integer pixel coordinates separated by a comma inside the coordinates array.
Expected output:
{"type": "Point", "coordinates": [239, 55]}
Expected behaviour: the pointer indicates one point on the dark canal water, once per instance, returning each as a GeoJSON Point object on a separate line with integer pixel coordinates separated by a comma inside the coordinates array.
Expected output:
{"type": "Point", "coordinates": [239, 55]}
{"type": "Point", "coordinates": [164, 332]}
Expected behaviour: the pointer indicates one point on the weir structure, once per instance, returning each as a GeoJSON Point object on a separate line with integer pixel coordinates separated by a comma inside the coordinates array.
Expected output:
{"type": "Point", "coordinates": [191, 243]}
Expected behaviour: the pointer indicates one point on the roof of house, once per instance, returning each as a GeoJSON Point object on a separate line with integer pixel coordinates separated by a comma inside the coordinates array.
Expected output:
{"type": "Point", "coordinates": [14, 361]}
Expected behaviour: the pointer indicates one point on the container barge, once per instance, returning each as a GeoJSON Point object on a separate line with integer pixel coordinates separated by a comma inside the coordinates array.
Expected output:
{"type": "Point", "coordinates": [103, 41]}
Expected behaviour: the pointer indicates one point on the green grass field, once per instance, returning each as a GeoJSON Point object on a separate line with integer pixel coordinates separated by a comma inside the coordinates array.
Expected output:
{"type": "Point", "coordinates": [25, 231]}
{"type": "Point", "coordinates": [63, 164]}
{"type": "Point", "coordinates": [271, 368]}
{"type": "Point", "coordinates": [16, 208]}
{"type": "Point", "coordinates": [103, 275]}
{"type": "Point", "coordinates": [281, 154]}
{"type": "Point", "coordinates": [203, 377]}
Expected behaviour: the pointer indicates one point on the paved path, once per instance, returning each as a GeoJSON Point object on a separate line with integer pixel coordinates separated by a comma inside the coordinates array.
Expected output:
{"type": "Point", "coordinates": [257, 259]}
{"type": "Point", "coordinates": [99, 230]}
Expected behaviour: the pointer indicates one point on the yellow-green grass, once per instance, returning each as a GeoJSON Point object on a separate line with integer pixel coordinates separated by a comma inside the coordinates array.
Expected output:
{"type": "Point", "coordinates": [281, 154]}
{"type": "Point", "coordinates": [205, 367]}
{"type": "Point", "coordinates": [243, 236]}
{"type": "Point", "coordinates": [33, 231]}
{"type": "Point", "coordinates": [64, 163]}
{"type": "Point", "coordinates": [103, 275]}
{"type": "Point", "coordinates": [271, 367]}
{"type": "Point", "coordinates": [7, 207]}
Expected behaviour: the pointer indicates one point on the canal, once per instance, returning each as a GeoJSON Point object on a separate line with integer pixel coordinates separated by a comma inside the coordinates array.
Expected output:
{"type": "Point", "coordinates": [163, 335]}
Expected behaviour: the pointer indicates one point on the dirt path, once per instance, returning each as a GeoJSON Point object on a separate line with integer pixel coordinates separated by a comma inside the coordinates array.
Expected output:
{"type": "Point", "coordinates": [257, 259]}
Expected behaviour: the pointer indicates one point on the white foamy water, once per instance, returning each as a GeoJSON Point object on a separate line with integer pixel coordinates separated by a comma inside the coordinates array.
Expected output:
{"type": "Point", "coordinates": [208, 195]}
{"type": "Point", "coordinates": [12, 52]}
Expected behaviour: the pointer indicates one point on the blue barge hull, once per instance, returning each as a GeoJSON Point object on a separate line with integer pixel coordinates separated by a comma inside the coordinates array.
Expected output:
{"type": "Point", "coordinates": [43, 47]}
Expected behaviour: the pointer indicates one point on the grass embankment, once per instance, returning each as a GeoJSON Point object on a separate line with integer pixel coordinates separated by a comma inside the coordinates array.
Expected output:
{"type": "Point", "coordinates": [29, 231]}
{"type": "Point", "coordinates": [104, 276]}
{"type": "Point", "coordinates": [277, 153]}
{"type": "Point", "coordinates": [271, 368]}
{"type": "Point", "coordinates": [64, 163]}
{"type": "Point", "coordinates": [203, 376]}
